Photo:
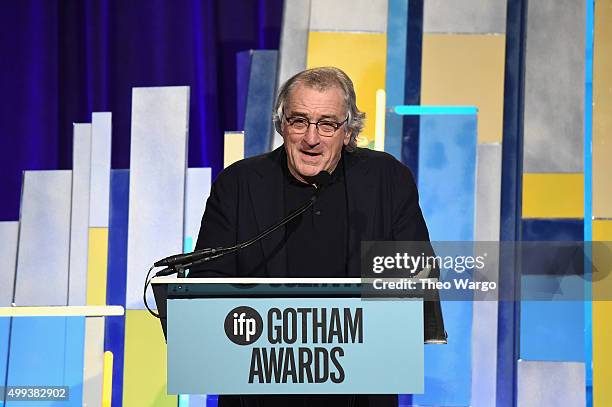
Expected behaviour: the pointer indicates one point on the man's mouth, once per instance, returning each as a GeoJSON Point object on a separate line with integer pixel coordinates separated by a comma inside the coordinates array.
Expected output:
{"type": "Point", "coordinates": [310, 153]}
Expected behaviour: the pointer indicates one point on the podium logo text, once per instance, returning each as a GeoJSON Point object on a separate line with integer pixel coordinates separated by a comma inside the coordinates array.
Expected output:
{"type": "Point", "coordinates": [243, 325]}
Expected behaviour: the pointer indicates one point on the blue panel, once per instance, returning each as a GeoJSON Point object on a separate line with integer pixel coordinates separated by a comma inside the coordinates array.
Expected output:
{"type": "Point", "coordinates": [5, 326]}
{"type": "Point", "coordinates": [197, 400]}
{"type": "Point", "coordinates": [56, 360]}
{"type": "Point", "coordinates": [393, 134]}
{"type": "Point", "coordinates": [212, 401]}
{"type": "Point", "coordinates": [73, 358]}
{"type": "Point", "coordinates": [588, 190]}
{"type": "Point", "coordinates": [447, 170]}
{"type": "Point", "coordinates": [412, 88]}
{"type": "Point", "coordinates": [243, 69]}
{"type": "Point", "coordinates": [397, 30]}
{"type": "Point", "coordinates": [553, 230]}
{"type": "Point", "coordinates": [260, 102]}
{"type": "Point", "coordinates": [552, 331]}
{"type": "Point", "coordinates": [510, 215]}
{"type": "Point", "coordinates": [410, 143]}
{"type": "Point", "coordinates": [114, 328]}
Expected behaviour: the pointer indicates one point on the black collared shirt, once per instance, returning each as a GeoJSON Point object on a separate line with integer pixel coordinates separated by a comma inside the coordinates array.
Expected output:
{"type": "Point", "coordinates": [316, 241]}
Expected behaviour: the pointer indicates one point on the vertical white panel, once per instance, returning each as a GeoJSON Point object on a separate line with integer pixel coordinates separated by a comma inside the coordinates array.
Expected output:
{"type": "Point", "coordinates": [293, 44]}
{"type": "Point", "coordinates": [8, 257]}
{"type": "Point", "coordinates": [93, 362]}
{"type": "Point", "coordinates": [551, 384]}
{"type": "Point", "coordinates": [44, 239]}
{"type": "Point", "coordinates": [488, 192]}
{"type": "Point", "coordinates": [554, 86]}
{"type": "Point", "coordinates": [349, 15]}
{"type": "Point", "coordinates": [196, 194]}
{"type": "Point", "coordinates": [79, 222]}
{"type": "Point", "coordinates": [465, 16]}
{"type": "Point", "coordinates": [484, 320]}
{"type": "Point", "coordinates": [101, 126]}
{"type": "Point", "coordinates": [158, 163]}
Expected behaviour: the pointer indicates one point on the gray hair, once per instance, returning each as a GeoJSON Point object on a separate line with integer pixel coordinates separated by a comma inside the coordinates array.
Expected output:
{"type": "Point", "coordinates": [322, 79]}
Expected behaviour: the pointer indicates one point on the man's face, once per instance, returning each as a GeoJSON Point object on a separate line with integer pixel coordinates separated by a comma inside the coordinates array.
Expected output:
{"type": "Point", "coordinates": [310, 153]}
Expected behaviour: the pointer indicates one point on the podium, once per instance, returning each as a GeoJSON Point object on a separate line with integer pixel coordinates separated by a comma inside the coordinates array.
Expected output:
{"type": "Point", "coordinates": [288, 336]}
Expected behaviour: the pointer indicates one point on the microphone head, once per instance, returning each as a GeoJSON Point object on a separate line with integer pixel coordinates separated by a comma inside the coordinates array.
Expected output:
{"type": "Point", "coordinates": [322, 179]}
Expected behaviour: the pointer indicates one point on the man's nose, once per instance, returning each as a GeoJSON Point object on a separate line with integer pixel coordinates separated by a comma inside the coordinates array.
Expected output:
{"type": "Point", "coordinates": [312, 137]}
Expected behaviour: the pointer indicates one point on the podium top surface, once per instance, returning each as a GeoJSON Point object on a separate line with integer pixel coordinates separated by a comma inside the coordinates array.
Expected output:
{"type": "Point", "coordinates": [256, 280]}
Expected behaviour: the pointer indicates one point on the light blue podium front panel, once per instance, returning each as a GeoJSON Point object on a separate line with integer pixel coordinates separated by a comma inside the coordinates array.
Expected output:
{"type": "Point", "coordinates": [202, 358]}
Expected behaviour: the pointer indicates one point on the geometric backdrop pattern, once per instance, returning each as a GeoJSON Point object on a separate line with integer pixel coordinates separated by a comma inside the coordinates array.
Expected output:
{"type": "Point", "coordinates": [438, 82]}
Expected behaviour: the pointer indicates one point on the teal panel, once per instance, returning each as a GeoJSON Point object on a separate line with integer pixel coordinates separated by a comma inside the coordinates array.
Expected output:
{"type": "Point", "coordinates": [441, 110]}
{"type": "Point", "coordinates": [447, 168]}
{"type": "Point", "coordinates": [47, 351]}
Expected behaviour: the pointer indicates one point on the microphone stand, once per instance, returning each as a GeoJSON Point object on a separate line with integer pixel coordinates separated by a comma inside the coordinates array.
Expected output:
{"type": "Point", "coordinates": [208, 254]}
{"type": "Point", "coordinates": [175, 265]}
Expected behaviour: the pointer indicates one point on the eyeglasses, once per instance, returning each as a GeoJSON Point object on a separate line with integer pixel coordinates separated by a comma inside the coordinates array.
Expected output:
{"type": "Point", "coordinates": [326, 128]}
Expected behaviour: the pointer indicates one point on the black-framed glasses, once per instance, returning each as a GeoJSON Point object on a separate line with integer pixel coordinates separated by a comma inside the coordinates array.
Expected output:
{"type": "Point", "coordinates": [325, 127]}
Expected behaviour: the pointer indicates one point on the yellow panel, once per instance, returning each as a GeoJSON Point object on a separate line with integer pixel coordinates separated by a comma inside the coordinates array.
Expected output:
{"type": "Point", "coordinates": [107, 381]}
{"type": "Point", "coordinates": [144, 372]}
{"type": "Point", "coordinates": [602, 110]}
{"type": "Point", "coordinates": [553, 195]}
{"type": "Point", "coordinates": [97, 266]}
{"type": "Point", "coordinates": [466, 70]}
{"type": "Point", "coordinates": [602, 315]}
{"type": "Point", "coordinates": [233, 150]}
{"type": "Point", "coordinates": [362, 56]}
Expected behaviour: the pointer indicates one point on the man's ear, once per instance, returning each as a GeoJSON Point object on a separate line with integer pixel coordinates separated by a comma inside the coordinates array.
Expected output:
{"type": "Point", "coordinates": [347, 137]}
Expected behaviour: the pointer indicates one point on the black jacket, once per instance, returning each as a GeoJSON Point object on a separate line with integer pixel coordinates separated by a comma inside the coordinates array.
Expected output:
{"type": "Point", "coordinates": [247, 197]}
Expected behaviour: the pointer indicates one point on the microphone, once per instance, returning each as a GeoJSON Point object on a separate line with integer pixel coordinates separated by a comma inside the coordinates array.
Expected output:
{"type": "Point", "coordinates": [182, 258]}
{"type": "Point", "coordinates": [187, 260]}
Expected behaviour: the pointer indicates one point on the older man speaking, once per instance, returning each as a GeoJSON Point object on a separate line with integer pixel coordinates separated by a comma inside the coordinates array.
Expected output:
{"type": "Point", "coordinates": [369, 196]}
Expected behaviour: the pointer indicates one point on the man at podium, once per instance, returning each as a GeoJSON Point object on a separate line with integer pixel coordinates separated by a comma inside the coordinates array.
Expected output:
{"type": "Point", "coordinates": [360, 195]}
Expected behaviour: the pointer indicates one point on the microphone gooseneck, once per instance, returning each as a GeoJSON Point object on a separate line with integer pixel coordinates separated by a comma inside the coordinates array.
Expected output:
{"type": "Point", "coordinates": [199, 257]}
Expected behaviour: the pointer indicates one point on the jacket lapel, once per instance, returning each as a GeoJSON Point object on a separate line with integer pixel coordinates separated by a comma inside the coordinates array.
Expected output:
{"type": "Point", "coordinates": [267, 198]}
{"type": "Point", "coordinates": [361, 205]}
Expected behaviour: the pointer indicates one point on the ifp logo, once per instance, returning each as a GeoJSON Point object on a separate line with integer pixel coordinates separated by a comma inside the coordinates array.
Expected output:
{"type": "Point", "coordinates": [243, 325]}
